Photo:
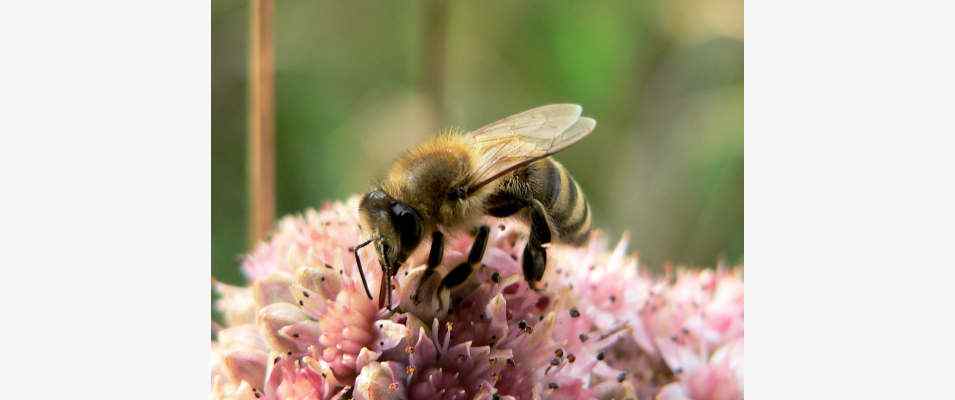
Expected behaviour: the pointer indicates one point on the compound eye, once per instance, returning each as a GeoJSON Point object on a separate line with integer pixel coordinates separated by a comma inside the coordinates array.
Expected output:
{"type": "Point", "coordinates": [407, 223]}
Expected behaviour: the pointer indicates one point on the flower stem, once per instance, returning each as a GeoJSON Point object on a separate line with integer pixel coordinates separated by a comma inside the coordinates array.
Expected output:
{"type": "Point", "coordinates": [261, 122]}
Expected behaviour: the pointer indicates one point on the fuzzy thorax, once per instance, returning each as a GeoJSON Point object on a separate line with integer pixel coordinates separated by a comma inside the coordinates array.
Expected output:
{"type": "Point", "coordinates": [429, 176]}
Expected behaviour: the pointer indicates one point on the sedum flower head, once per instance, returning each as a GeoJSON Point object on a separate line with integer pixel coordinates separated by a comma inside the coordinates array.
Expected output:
{"type": "Point", "coordinates": [600, 328]}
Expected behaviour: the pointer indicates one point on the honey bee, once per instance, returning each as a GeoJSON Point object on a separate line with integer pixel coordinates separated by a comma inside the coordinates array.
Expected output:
{"type": "Point", "coordinates": [450, 182]}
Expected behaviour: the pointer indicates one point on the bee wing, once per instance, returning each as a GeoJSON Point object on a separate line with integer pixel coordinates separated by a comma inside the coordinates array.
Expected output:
{"type": "Point", "coordinates": [521, 139]}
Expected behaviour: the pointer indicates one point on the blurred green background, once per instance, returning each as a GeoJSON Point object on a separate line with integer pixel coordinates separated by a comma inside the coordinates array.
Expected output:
{"type": "Point", "coordinates": [356, 82]}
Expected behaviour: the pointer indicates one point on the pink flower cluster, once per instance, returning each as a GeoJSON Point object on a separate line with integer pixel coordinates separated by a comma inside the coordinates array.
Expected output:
{"type": "Point", "coordinates": [600, 329]}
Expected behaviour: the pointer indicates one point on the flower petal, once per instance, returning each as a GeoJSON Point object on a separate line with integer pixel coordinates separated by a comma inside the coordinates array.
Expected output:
{"type": "Point", "coordinates": [276, 316]}
{"type": "Point", "coordinates": [222, 390]}
{"type": "Point", "coordinates": [272, 289]}
{"type": "Point", "coordinates": [380, 381]}
{"type": "Point", "coordinates": [365, 356]}
{"type": "Point", "coordinates": [388, 334]}
{"type": "Point", "coordinates": [303, 333]}
{"type": "Point", "coordinates": [247, 366]}
{"type": "Point", "coordinates": [236, 304]}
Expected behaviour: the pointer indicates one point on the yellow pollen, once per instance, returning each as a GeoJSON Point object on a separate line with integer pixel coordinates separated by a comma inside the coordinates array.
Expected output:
{"type": "Point", "coordinates": [393, 387]}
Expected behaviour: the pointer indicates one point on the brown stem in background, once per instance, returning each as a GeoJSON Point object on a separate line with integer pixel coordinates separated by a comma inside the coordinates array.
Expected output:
{"type": "Point", "coordinates": [261, 122]}
{"type": "Point", "coordinates": [435, 53]}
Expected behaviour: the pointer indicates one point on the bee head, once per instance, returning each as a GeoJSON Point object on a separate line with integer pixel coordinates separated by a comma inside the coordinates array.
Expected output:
{"type": "Point", "coordinates": [396, 226]}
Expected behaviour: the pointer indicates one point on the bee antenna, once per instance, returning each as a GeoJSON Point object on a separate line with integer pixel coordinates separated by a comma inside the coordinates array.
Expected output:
{"type": "Point", "coordinates": [360, 270]}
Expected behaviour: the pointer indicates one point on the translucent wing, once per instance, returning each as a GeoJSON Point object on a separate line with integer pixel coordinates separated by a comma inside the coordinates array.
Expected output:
{"type": "Point", "coordinates": [521, 139]}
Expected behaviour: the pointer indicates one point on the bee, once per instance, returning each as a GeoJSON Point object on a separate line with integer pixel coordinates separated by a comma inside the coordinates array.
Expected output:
{"type": "Point", "coordinates": [450, 182]}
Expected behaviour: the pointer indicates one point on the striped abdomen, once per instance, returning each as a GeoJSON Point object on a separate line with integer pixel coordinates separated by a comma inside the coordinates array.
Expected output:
{"type": "Point", "coordinates": [566, 205]}
{"type": "Point", "coordinates": [548, 182]}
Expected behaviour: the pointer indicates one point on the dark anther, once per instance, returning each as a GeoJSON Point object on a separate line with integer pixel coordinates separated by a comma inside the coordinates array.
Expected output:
{"type": "Point", "coordinates": [496, 277]}
{"type": "Point", "coordinates": [301, 303]}
{"type": "Point", "coordinates": [304, 293]}
{"type": "Point", "coordinates": [613, 298]}
{"type": "Point", "coordinates": [571, 358]}
{"type": "Point", "coordinates": [600, 356]}
{"type": "Point", "coordinates": [559, 353]}
{"type": "Point", "coordinates": [553, 385]}
{"type": "Point", "coordinates": [583, 337]}
{"type": "Point", "coordinates": [621, 377]}
{"type": "Point", "coordinates": [574, 313]}
{"type": "Point", "coordinates": [555, 361]}
{"type": "Point", "coordinates": [523, 326]}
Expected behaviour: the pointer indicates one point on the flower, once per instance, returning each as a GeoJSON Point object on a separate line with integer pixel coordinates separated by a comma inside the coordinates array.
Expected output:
{"type": "Point", "coordinates": [294, 380]}
{"type": "Point", "coordinates": [694, 328]}
{"type": "Point", "coordinates": [239, 361]}
{"type": "Point", "coordinates": [315, 236]}
{"type": "Point", "coordinates": [719, 378]}
{"type": "Point", "coordinates": [436, 369]}
{"type": "Point", "coordinates": [330, 320]}
{"type": "Point", "coordinates": [600, 327]}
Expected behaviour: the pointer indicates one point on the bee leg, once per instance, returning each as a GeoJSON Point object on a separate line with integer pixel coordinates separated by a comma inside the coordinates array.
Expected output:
{"type": "Point", "coordinates": [361, 271]}
{"type": "Point", "coordinates": [461, 272]}
{"type": "Point", "coordinates": [434, 260]}
{"type": "Point", "coordinates": [535, 256]}
{"type": "Point", "coordinates": [479, 245]}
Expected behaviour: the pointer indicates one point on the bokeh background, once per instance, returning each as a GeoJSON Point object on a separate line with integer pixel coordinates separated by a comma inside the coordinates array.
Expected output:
{"type": "Point", "coordinates": [356, 82]}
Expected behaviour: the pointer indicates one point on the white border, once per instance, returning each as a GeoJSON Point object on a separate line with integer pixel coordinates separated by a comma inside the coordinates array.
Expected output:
{"type": "Point", "coordinates": [104, 162]}
{"type": "Point", "coordinates": [105, 210]}
{"type": "Point", "coordinates": [849, 200]}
